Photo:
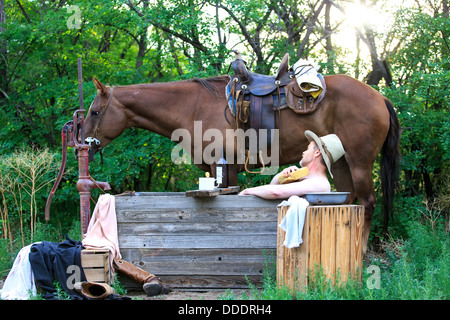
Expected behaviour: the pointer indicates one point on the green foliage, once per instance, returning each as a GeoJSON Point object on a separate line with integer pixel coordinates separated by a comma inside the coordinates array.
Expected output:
{"type": "Point", "coordinates": [61, 294]}
{"type": "Point", "coordinates": [126, 42]}
{"type": "Point", "coordinates": [422, 70]}
{"type": "Point", "coordinates": [422, 270]}
{"type": "Point", "coordinates": [117, 286]}
{"type": "Point", "coordinates": [6, 257]}
{"type": "Point", "coordinates": [149, 165]}
{"type": "Point", "coordinates": [130, 42]}
{"type": "Point", "coordinates": [24, 181]}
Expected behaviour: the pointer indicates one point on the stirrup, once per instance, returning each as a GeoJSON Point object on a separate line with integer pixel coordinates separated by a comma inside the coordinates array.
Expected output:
{"type": "Point", "coordinates": [260, 159]}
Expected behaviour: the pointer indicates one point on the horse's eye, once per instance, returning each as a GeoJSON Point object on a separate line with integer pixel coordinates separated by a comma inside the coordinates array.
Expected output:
{"type": "Point", "coordinates": [95, 113]}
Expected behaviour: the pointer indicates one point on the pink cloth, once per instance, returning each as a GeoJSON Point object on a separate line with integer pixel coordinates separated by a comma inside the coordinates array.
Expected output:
{"type": "Point", "coordinates": [102, 230]}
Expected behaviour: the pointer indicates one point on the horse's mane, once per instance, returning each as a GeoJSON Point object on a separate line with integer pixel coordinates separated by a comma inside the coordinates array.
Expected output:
{"type": "Point", "coordinates": [207, 83]}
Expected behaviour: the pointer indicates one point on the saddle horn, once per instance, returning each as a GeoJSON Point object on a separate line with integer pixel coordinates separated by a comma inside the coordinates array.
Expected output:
{"type": "Point", "coordinates": [239, 66]}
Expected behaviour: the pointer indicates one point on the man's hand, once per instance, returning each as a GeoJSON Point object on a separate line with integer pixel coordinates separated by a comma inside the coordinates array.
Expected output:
{"type": "Point", "coordinates": [287, 172]}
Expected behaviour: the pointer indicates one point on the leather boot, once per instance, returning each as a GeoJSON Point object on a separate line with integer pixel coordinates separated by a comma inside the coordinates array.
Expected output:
{"type": "Point", "coordinates": [94, 290]}
{"type": "Point", "coordinates": [150, 283]}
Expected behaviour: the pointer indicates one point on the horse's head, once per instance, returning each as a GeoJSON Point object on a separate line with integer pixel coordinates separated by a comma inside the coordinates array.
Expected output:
{"type": "Point", "coordinates": [105, 119]}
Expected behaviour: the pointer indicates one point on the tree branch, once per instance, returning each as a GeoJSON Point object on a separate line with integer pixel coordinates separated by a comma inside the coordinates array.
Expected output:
{"type": "Point", "coordinates": [310, 29]}
{"type": "Point", "coordinates": [23, 11]}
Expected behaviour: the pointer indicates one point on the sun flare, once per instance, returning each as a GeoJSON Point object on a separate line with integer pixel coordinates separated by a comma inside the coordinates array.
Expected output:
{"type": "Point", "coordinates": [359, 16]}
{"type": "Point", "coordinates": [356, 19]}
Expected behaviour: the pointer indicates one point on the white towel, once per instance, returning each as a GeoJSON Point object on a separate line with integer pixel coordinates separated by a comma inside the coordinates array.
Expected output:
{"type": "Point", "coordinates": [306, 76]}
{"type": "Point", "coordinates": [19, 283]}
{"type": "Point", "coordinates": [294, 221]}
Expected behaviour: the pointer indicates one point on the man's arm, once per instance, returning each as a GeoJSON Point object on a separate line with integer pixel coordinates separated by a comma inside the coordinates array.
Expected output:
{"type": "Point", "coordinates": [284, 191]}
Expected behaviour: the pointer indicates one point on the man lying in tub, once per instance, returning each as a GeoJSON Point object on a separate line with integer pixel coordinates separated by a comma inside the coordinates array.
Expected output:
{"type": "Point", "coordinates": [317, 158]}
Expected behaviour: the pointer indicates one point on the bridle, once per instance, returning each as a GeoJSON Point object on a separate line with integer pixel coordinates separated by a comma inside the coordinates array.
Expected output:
{"type": "Point", "coordinates": [96, 129]}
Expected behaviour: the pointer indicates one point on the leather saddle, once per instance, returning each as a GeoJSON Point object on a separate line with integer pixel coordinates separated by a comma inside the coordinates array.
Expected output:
{"type": "Point", "coordinates": [255, 100]}
{"type": "Point", "coordinates": [245, 83]}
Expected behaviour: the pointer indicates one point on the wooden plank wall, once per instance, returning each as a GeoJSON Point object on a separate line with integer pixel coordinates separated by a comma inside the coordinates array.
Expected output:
{"type": "Point", "coordinates": [198, 243]}
{"type": "Point", "coordinates": [332, 239]}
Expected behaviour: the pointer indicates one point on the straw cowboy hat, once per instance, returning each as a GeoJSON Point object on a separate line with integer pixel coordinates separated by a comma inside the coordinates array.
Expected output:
{"type": "Point", "coordinates": [330, 146]}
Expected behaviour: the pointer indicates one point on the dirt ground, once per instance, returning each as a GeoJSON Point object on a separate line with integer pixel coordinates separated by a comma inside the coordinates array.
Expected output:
{"type": "Point", "coordinates": [188, 295]}
{"type": "Point", "coordinates": [182, 294]}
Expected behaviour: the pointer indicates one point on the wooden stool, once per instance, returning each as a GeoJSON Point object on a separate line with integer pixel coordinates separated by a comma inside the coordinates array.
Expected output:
{"type": "Point", "coordinates": [96, 265]}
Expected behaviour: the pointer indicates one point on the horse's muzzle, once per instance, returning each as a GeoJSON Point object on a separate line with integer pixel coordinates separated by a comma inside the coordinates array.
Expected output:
{"type": "Point", "coordinates": [91, 153]}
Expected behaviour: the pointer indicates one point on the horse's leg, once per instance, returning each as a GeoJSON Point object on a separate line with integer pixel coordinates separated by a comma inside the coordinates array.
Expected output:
{"type": "Point", "coordinates": [363, 184]}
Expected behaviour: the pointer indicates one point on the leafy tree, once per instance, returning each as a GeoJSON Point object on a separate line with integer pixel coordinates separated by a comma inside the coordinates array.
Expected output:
{"type": "Point", "coordinates": [420, 93]}
{"type": "Point", "coordinates": [131, 41]}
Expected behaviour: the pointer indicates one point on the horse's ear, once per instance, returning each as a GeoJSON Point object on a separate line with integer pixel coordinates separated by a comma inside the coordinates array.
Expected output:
{"type": "Point", "coordinates": [100, 87]}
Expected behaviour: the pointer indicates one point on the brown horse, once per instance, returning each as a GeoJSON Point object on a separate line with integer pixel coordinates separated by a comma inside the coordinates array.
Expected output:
{"type": "Point", "coordinates": [363, 119]}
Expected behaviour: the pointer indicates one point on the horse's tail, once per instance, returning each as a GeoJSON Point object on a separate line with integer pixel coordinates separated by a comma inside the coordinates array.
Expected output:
{"type": "Point", "coordinates": [390, 164]}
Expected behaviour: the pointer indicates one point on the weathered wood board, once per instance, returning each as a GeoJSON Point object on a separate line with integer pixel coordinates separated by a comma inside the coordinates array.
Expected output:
{"type": "Point", "coordinates": [332, 239]}
{"type": "Point", "coordinates": [198, 243]}
{"type": "Point", "coordinates": [212, 193]}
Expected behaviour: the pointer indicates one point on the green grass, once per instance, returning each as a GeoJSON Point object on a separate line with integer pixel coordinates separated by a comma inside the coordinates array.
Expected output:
{"type": "Point", "coordinates": [413, 269]}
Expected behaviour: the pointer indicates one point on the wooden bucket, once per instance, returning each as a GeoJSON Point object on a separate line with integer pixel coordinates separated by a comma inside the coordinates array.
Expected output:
{"type": "Point", "coordinates": [332, 239]}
